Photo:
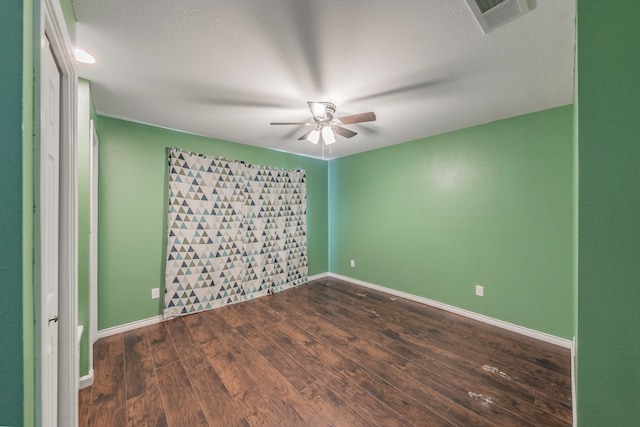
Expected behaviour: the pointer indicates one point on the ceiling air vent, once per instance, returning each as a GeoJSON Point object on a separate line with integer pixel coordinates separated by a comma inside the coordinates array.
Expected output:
{"type": "Point", "coordinates": [493, 13]}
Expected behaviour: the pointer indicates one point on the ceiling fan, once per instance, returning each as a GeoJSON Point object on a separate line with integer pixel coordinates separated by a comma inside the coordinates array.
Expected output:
{"type": "Point", "coordinates": [326, 126]}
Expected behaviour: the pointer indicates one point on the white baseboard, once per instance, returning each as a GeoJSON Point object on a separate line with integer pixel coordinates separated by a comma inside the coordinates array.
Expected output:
{"type": "Point", "coordinates": [317, 277]}
{"type": "Point", "coordinates": [562, 342]}
{"type": "Point", "coordinates": [87, 380]}
{"type": "Point", "coordinates": [574, 402]}
{"type": "Point", "coordinates": [129, 326]}
{"type": "Point", "coordinates": [542, 336]}
{"type": "Point", "coordinates": [158, 319]}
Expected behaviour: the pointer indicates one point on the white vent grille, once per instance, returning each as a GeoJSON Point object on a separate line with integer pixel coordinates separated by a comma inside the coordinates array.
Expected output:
{"type": "Point", "coordinates": [494, 13]}
{"type": "Point", "coordinates": [486, 5]}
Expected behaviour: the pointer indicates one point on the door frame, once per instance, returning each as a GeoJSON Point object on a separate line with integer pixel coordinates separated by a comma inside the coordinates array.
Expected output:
{"type": "Point", "coordinates": [52, 26]}
{"type": "Point", "coordinates": [93, 242]}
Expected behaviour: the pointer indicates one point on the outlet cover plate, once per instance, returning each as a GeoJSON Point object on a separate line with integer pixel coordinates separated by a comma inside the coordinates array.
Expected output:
{"type": "Point", "coordinates": [480, 290]}
{"type": "Point", "coordinates": [155, 293]}
{"type": "Point", "coordinates": [353, 263]}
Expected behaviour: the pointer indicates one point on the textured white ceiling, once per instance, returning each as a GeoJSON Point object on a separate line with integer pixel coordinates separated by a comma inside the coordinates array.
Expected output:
{"type": "Point", "coordinates": [227, 68]}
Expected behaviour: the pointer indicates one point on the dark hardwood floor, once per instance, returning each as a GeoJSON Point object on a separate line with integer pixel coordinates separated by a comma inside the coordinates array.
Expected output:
{"type": "Point", "coordinates": [326, 353]}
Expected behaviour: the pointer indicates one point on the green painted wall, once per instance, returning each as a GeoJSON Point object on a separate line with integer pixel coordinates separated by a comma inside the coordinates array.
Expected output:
{"type": "Point", "coordinates": [609, 237]}
{"type": "Point", "coordinates": [28, 176]}
{"type": "Point", "coordinates": [69, 18]}
{"type": "Point", "coordinates": [84, 176]}
{"type": "Point", "coordinates": [490, 205]}
{"type": "Point", "coordinates": [11, 202]}
{"type": "Point", "coordinates": [132, 211]}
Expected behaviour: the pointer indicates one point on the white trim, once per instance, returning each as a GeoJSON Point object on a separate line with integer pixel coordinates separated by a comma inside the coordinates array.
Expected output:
{"type": "Point", "coordinates": [574, 403]}
{"type": "Point", "coordinates": [129, 326]}
{"type": "Point", "coordinates": [562, 342]}
{"type": "Point", "coordinates": [159, 319]}
{"type": "Point", "coordinates": [87, 380]}
{"type": "Point", "coordinates": [52, 27]}
{"type": "Point", "coordinates": [93, 239]}
{"type": "Point", "coordinates": [317, 277]}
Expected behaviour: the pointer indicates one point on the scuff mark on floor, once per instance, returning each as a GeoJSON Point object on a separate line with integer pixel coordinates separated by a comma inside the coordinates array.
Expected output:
{"type": "Point", "coordinates": [362, 295]}
{"type": "Point", "coordinates": [392, 298]}
{"type": "Point", "coordinates": [484, 400]}
{"type": "Point", "coordinates": [495, 370]}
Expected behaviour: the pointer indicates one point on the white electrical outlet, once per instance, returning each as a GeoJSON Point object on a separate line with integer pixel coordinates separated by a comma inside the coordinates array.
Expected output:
{"type": "Point", "coordinates": [353, 263]}
{"type": "Point", "coordinates": [480, 290]}
{"type": "Point", "coordinates": [155, 293]}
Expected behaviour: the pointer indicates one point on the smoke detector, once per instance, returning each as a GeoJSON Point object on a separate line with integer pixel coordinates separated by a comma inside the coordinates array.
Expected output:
{"type": "Point", "coordinates": [494, 13]}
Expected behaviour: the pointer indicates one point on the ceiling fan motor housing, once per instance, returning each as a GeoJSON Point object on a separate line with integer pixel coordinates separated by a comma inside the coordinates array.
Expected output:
{"type": "Point", "coordinates": [322, 111]}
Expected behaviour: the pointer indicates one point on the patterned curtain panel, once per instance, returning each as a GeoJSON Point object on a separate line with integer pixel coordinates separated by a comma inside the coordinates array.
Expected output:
{"type": "Point", "coordinates": [235, 232]}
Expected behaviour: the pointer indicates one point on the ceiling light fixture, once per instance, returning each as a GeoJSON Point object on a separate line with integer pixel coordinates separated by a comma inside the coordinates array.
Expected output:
{"type": "Point", "coordinates": [319, 110]}
{"type": "Point", "coordinates": [325, 125]}
{"type": "Point", "coordinates": [314, 136]}
{"type": "Point", "coordinates": [84, 57]}
{"type": "Point", "coordinates": [327, 135]}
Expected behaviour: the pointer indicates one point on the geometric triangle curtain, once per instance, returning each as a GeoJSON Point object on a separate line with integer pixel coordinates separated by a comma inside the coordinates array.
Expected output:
{"type": "Point", "coordinates": [234, 232]}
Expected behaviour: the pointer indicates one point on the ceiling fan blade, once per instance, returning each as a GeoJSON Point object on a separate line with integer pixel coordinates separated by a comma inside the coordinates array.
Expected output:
{"type": "Point", "coordinates": [410, 88]}
{"type": "Point", "coordinates": [305, 136]}
{"type": "Point", "coordinates": [358, 118]}
{"type": "Point", "coordinates": [289, 123]}
{"type": "Point", "coordinates": [344, 132]}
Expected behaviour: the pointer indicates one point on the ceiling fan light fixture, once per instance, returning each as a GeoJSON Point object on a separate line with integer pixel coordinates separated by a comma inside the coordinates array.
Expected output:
{"type": "Point", "coordinates": [325, 125]}
{"type": "Point", "coordinates": [318, 110]}
{"type": "Point", "coordinates": [314, 136]}
{"type": "Point", "coordinates": [327, 135]}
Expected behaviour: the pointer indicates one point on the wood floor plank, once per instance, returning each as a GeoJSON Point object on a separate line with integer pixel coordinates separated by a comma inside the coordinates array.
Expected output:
{"type": "Point", "coordinates": [154, 408]}
{"type": "Point", "coordinates": [200, 329]}
{"type": "Point", "coordinates": [136, 412]}
{"type": "Point", "coordinates": [343, 338]}
{"type": "Point", "coordinates": [417, 412]}
{"type": "Point", "coordinates": [161, 345]}
{"type": "Point", "coordinates": [146, 409]}
{"type": "Point", "coordinates": [489, 338]}
{"type": "Point", "coordinates": [186, 346]}
{"type": "Point", "coordinates": [215, 400]}
{"type": "Point", "coordinates": [557, 385]}
{"type": "Point", "coordinates": [326, 353]}
{"type": "Point", "coordinates": [237, 314]}
{"type": "Point", "coordinates": [139, 371]}
{"type": "Point", "coordinates": [375, 411]}
{"type": "Point", "coordinates": [288, 367]}
{"type": "Point", "coordinates": [443, 403]}
{"type": "Point", "coordinates": [108, 382]}
{"type": "Point", "coordinates": [107, 347]}
{"type": "Point", "coordinates": [345, 369]}
{"type": "Point", "coordinates": [256, 408]}
{"type": "Point", "coordinates": [84, 402]}
{"type": "Point", "coordinates": [301, 346]}
{"type": "Point", "coordinates": [284, 395]}
{"type": "Point", "coordinates": [465, 393]}
{"type": "Point", "coordinates": [108, 407]}
{"type": "Point", "coordinates": [107, 413]}
{"type": "Point", "coordinates": [343, 411]}
{"type": "Point", "coordinates": [180, 402]}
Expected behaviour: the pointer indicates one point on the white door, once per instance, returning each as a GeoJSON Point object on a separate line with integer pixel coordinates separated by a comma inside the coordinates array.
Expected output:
{"type": "Point", "coordinates": [49, 233]}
